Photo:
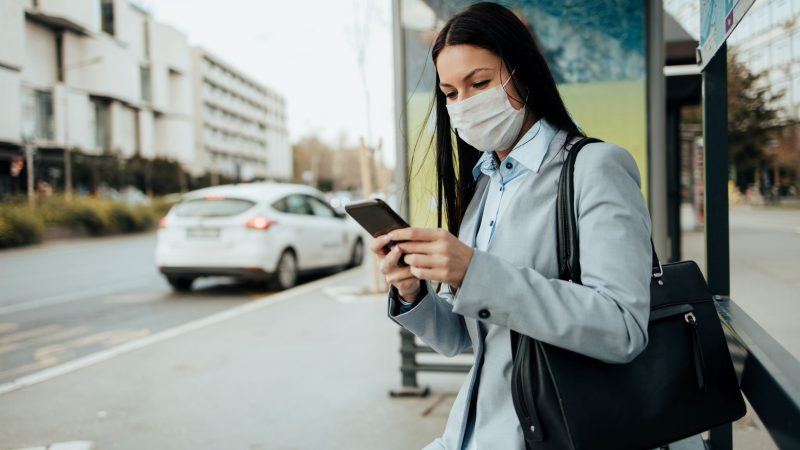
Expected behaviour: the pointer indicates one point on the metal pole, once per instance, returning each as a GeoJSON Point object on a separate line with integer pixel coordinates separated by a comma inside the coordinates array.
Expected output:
{"type": "Point", "coordinates": [67, 153]}
{"type": "Point", "coordinates": [400, 146]}
{"type": "Point", "coordinates": [29, 152]}
{"type": "Point", "coordinates": [656, 127]}
{"type": "Point", "coordinates": [715, 148]}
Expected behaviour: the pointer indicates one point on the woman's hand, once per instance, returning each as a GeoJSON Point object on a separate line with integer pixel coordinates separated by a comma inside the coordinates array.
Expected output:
{"type": "Point", "coordinates": [433, 254]}
{"type": "Point", "coordinates": [407, 285]}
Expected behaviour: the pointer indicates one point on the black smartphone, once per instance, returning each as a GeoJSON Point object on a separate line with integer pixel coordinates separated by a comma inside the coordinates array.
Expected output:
{"type": "Point", "coordinates": [377, 218]}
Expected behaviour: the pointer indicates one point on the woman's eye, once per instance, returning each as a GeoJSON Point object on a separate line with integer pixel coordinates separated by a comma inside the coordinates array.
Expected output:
{"type": "Point", "coordinates": [450, 95]}
{"type": "Point", "coordinates": [480, 84]}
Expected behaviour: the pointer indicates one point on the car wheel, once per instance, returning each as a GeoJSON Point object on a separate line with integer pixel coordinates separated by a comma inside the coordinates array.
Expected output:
{"type": "Point", "coordinates": [285, 275]}
{"type": "Point", "coordinates": [180, 284]}
{"type": "Point", "coordinates": [357, 255]}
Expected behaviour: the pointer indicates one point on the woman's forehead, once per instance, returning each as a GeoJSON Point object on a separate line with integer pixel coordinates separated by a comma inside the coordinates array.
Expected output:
{"type": "Point", "coordinates": [456, 61]}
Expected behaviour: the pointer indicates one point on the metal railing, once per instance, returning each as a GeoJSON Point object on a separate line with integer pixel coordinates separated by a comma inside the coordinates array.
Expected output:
{"type": "Point", "coordinates": [769, 376]}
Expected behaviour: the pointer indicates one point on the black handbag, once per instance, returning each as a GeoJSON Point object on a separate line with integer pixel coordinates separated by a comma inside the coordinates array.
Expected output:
{"type": "Point", "coordinates": [682, 383]}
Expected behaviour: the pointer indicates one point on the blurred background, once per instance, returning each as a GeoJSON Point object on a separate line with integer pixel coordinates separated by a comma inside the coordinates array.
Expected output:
{"type": "Point", "coordinates": [177, 270]}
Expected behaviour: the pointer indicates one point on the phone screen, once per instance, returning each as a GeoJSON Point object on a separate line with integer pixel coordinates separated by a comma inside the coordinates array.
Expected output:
{"type": "Point", "coordinates": [376, 217]}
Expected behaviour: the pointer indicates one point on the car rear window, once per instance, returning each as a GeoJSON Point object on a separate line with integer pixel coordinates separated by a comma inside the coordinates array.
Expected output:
{"type": "Point", "coordinates": [212, 207]}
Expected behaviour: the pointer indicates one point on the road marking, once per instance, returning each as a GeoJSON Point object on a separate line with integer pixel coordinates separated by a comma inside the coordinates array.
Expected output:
{"type": "Point", "coordinates": [69, 445]}
{"type": "Point", "coordinates": [64, 298]}
{"type": "Point", "coordinates": [21, 336]}
{"type": "Point", "coordinates": [236, 311]}
{"type": "Point", "coordinates": [56, 336]}
{"type": "Point", "coordinates": [354, 294]}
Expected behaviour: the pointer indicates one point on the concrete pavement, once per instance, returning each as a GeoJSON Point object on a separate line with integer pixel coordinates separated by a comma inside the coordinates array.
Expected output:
{"type": "Point", "coordinates": [310, 369]}
{"type": "Point", "coordinates": [299, 369]}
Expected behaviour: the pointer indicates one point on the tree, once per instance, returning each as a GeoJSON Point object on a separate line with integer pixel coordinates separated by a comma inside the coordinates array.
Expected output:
{"type": "Point", "coordinates": [753, 119]}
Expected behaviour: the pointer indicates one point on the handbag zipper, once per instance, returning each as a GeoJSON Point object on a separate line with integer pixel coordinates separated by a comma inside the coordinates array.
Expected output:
{"type": "Point", "coordinates": [697, 350]}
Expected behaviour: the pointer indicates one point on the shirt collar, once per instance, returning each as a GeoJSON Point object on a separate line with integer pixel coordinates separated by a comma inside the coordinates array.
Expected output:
{"type": "Point", "coordinates": [530, 150]}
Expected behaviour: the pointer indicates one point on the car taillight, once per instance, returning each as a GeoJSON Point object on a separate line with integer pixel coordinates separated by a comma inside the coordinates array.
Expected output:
{"type": "Point", "coordinates": [162, 223]}
{"type": "Point", "coordinates": [259, 223]}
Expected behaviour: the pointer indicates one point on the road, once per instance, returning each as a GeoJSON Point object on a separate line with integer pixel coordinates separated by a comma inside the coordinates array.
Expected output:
{"type": "Point", "coordinates": [67, 299]}
{"type": "Point", "coordinates": [765, 263]}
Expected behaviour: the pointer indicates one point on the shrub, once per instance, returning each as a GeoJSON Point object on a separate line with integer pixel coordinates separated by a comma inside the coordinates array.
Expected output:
{"type": "Point", "coordinates": [20, 225]}
{"type": "Point", "coordinates": [92, 215]}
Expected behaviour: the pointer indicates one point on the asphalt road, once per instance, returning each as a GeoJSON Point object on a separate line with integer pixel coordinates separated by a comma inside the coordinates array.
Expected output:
{"type": "Point", "coordinates": [67, 299]}
{"type": "Point", "coordinates": [765, 268]}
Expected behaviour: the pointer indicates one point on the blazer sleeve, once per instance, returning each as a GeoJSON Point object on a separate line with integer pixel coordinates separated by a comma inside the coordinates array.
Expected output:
{"type": "Point", "coordinates": [432, 319]}
{"type": "Point", "coordinates": [606, 316]}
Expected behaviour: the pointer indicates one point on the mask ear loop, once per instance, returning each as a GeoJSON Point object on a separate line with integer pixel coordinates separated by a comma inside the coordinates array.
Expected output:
{"type": "Point", "coordinates": [503, 85]}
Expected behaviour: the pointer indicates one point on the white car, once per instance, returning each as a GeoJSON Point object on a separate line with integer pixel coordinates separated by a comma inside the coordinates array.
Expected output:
{"type": "Point", "coordinates": [258, 231]}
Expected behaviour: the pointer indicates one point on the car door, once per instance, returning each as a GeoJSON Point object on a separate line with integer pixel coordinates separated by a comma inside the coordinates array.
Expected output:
{"type": "Point", "coordinates": [307, 231]}
{"type": "Point", "coordinates": [334, 239]}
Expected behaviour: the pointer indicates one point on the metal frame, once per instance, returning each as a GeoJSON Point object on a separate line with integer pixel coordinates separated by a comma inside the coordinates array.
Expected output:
{"type": "Point", "coordinates": [769, 375]}
{"type": "Point", "coordinates": [656, 125]}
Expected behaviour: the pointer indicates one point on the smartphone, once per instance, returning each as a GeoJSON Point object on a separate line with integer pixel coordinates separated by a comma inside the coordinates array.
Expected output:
{"type": "Point", "coordinates": [377, 218]}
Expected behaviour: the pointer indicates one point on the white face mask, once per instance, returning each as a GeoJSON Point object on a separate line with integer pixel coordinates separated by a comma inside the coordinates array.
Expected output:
{"type": "Point", "coordinates": [487, 121]}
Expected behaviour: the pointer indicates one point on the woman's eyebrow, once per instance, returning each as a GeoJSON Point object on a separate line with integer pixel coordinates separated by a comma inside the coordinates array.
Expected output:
{"type": "Point", "coordinates": [467, 76]}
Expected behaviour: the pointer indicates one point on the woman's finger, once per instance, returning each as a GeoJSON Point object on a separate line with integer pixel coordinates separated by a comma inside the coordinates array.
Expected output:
{"type": "Point", "coordinates": [377, 245]}
{"type": "Point", "coordinates": [416, 234]}
{"type": "Point", "coordinates": [399, 276]}
{"type": "Point", "coordinates": [391, 259]}
{"type": "Point", "coordinates": [426, 247]}
{"type": "Point", "coordinates": [428, 274]}
{"type": "Point", "coordinates": [427, 261]}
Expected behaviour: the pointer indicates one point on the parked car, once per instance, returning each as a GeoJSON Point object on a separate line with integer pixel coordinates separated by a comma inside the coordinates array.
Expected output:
{"type": "Point", "coordinates": [257, 231]}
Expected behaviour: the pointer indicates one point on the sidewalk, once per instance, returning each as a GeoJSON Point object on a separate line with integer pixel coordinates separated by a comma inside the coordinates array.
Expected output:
{"type": "Point", "coordinates": [303, 369]}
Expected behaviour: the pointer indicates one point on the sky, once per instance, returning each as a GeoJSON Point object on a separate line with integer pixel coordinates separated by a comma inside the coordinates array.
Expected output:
{"type": "Point", "coordinates": [308, 51]}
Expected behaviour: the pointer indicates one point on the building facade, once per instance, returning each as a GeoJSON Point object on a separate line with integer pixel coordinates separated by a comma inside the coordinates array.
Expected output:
{"type": "Point", "coordinates": [240, 125]}
{"type": "Point", "coordinates": [102, 77]}
{"type": "Point", "coordinates": [767, 40]}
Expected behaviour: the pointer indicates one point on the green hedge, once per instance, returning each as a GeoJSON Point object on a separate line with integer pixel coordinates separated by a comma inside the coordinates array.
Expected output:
{"type": "Point", "coordinates": [21, 224]}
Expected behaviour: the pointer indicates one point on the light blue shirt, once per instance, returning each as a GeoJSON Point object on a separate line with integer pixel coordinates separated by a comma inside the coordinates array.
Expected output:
{"type": "Point", "coordinates": [504, 180]}
{"type": "Point", "coordinates": [524, 159]}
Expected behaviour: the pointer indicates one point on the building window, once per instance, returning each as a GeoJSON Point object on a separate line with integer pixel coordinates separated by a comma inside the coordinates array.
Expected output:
{"type": "Point", "coordinates": [796, 89]}
{"type": "Point", "coordinates": [37, 114]}
{"type": "Point", "coordinates": [107, 16]}
{"type": "Point", "coordinates": [781, 52]}
{"type": "Point", "coordinates": [100, 120]}
{"type": "Point", "coordinates": [146, 39]}
{"type": "Point", "coordinates": [146, 84]}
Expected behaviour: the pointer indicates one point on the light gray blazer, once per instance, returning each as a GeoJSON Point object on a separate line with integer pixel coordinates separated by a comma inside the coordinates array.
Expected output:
{"type": "Point", "coordinates": [514, 285]}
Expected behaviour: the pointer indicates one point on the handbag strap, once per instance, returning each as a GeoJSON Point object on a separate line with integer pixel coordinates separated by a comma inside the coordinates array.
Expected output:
{"type": "Point", "coordinates": [568, 249]}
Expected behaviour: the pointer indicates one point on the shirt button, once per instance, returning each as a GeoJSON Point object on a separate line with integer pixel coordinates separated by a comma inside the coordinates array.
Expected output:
{"type": "Point", "coordinates": [484, 314]}
{"type": "Point", "coordinates": [509, 165]}
{"type": "Point", "coordinates": [501, 188]}
{"type": "Point", "coordinates": [491, 223]}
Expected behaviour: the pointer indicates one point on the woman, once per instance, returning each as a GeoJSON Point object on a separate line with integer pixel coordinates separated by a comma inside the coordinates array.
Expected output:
{"type": "Point", "coordinates": [497, 190]}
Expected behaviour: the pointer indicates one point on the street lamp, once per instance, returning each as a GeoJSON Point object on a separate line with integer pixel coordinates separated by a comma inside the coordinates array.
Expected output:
{"type": "Point", "coordinates": [67, 151]}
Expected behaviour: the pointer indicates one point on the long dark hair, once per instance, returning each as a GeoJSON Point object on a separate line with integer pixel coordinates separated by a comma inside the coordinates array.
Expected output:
{"type": "Point", "coordinates": [495, 28]}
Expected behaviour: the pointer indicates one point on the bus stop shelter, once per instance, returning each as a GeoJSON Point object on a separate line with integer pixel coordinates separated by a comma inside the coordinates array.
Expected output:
{"type": "Point", "coordinates": [624, 70]}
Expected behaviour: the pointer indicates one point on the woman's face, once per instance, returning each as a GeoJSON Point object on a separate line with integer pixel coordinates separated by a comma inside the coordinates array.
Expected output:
{"type": "Point", "coordinates": [466, 70]}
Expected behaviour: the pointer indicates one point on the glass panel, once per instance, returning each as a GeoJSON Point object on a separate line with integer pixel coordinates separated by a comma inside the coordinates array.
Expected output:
{"type": "Point", "coordinates": [100, 120]}
{"type": "Point", "coordinates": [297, 204]}
{"type": "Point", "coordinates": [107, 16]}
{"type": "Point", "coordinates": [595, 49]}
{"type": "Point", "coordinates": [320, 208]}
{"type": "Point", "coordinates": [207, 207]}
{"type": "Point", "coordinates": [146, 85]}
